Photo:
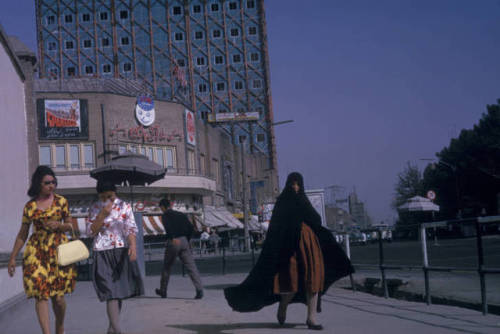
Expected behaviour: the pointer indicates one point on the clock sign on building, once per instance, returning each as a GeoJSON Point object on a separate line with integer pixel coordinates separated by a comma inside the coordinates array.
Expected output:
{"type": "Point", "coordinates": [145, 110]}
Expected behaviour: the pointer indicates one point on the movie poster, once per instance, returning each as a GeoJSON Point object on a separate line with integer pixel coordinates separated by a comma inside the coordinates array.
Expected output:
{"type": "Point", "coordinates": [62, 119]}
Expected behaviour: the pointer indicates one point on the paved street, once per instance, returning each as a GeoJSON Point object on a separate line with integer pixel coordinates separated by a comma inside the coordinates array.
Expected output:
{"type": "Point", "coordinates": [343, 312]}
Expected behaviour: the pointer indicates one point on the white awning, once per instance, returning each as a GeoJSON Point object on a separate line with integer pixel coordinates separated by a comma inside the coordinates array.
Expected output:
{"type": "Point", "coordinates": [152, 225]}
{"type": "Point", "coordinates": [220, 216]}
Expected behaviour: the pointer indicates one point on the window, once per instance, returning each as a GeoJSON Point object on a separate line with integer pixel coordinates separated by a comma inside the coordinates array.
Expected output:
{"type": "Point", "coordinates": [221, 86]}
{"type": "Point", "coordinates": [106, 68]}
{"type": "Point", "coordinates": [214, 7]}
{"type": "Point", "coordinates": [125, 40]}
{"type": "Point", "coordinates": [215, 170]}
{"type": "Point", "coordinates": [202, 164]}
{"type": "Point", "coordinates": [60, 156]}
{"type": "Point", "coordinates": [196, 9]}
{"type": "Point", "coordinates": [254, 56]}
{"type": "Point", "coordinates": [250, 4]}
{"type": "Point", "coordinates": [219, 60]}
{"type": "Point", "coordinates": [87, 43]}
{"type": "Point", "coordinates": [150, 153]}
{"type": "Point", "coordinates": [69, 45]}
{"type": "Point", "coordinates": [52, 46]}
{"type": "Point", "coordinates": [181, 62]}
{"type": "Point", "coordinates": [105, 42]}
{"type": "Point", "coordinates": [261, 137]}
{"type": "Point", "coordinates": [221, 111]}
{"type": "Point", "coordinates": [53, 72]}
{"type": "Point", "coordinates": [88, 156]}
{"type": "Point", "coordinates": [200, 61]}
{"type": "Point", "coordinates": [143, 150]}
{"type": "Point", "coordinates": [257, 84]}
{"type": "Point", "coordinates": [216, 33]}
{"type": "Point", "coordinates": [238, 85]}
{"type": "Point", "coordinates": [89, 69]}
{"type": "Point", "coordinates": [133, 149]}
{"type": "Point", "coordinates": [71, 71]}
{"type": "Point", "coordinates": [45, 154]}
{"type": "Point", "coordinates": [51, 19]}
{"type": "Point", "coordinates": [233, 6]}
{"type": "Point", "coordinates": [122, 149]}
{"type": "Point", "coordinates": [159, 157]}
{"type": "Point", "coordinates": [179, 36]}
{"type": "Point", "coordinates": [170, 157]}
{"type": "Point", "coordinates": [127, 67]}
{"type": "Point", "coordinates": [252, 31]}
{"type": "Point", "coordinates": [86, 17]}
{"type": "Point", "coordinates": [191, 163]}
{"type": "Point", "coordinates": [177, 10]}
{"type": "Point", "coordinates": [71, 155]}
{"type": "Point", "coordinates": [235, 32]}
{"type": "Point", "coordinates": [204, 115]}
{"type": "Point", "coordinates": [202, 88]}
{"type": "Point", "coordinates": [68, 18]}
{"type": "Point", "coordinates": [124, 14]}
{"type": "Point", "coordinates": [74, 156]}
{"type": "Point", "coordinates": [198, 35]}
{"type": "Point", "coordinates": [237, 58]}
{"type": "Point", "coordinates": [104, 16]}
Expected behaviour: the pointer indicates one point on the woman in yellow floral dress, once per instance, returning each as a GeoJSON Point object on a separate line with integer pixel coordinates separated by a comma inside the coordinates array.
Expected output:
{"type": "Point", "coordinates": [43, 278]}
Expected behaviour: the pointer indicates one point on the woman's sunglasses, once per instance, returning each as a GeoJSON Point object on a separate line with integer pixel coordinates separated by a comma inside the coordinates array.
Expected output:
{"type": "Point", "coordinates": [46, 183]}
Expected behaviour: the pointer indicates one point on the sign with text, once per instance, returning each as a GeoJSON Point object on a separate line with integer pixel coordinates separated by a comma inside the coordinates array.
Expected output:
{"type": "Point", "coordinates": [234, 117]}
{"type": "Point", "coordinates": [62, 119]}
{"type": "Point", "coordinates": [190, 128]}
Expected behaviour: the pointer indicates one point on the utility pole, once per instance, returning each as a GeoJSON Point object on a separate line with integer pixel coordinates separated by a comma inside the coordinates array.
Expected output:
{"type": "Point", "coordinates": [244, 195]}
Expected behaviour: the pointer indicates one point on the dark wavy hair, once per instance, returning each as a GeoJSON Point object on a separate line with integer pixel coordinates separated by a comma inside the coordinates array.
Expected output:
{"type": "Point", "coordinates": [36, 180]}
{"type": "Point", "coordinates": [165, 202]}
{"type": "Point", "coordinates": [103, 186]}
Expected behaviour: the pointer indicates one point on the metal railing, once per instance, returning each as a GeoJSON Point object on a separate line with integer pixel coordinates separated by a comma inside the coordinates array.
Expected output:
{"type": "Point", "coordinates": [426, 268]}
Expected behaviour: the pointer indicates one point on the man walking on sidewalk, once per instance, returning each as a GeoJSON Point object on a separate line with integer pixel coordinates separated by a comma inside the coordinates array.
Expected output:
{"type": "Point", "coordinates": [179, 230]}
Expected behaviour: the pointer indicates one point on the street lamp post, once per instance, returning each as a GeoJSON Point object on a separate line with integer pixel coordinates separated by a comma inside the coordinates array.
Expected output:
{"type": "Point", "coordinates": [244, 190]}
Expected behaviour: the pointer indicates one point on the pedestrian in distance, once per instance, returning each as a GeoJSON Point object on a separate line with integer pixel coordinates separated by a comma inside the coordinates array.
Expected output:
{"type": "Point", "coordinates": [179, 231]}
{"type": "Point", "coordinates": [43, 278]}
{"type": "Point", "coordinates": [299, 260]}
{"type": "Point", "coordinates": [115, 272]}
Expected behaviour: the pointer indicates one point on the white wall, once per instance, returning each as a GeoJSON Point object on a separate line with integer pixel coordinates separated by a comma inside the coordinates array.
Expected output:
{"type": "Point", "coordinates": [14, 178]}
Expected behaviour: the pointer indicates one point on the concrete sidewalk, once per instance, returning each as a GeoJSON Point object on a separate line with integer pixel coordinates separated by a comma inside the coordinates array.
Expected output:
{"type": "Point", "coordinates": [343, 312]}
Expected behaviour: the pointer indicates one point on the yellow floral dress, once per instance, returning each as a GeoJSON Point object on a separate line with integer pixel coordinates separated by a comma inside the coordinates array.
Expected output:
{"type": "Point", "coordinates": [42, 276]}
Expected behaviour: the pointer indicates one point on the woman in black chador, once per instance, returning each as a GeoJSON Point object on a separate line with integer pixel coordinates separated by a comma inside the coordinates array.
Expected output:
{"type": "Point", "coordinates": [300, 259]}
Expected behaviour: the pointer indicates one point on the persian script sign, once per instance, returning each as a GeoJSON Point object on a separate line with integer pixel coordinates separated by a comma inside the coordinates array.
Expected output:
{"type": "Point", "coordinates": [153, 134]}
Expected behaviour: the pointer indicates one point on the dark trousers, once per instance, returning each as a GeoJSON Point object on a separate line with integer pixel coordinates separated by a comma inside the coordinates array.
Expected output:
{"type": "Point", "coordinates": [179, 247]}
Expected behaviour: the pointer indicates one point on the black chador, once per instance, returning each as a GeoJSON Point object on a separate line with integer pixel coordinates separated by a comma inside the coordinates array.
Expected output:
{"type": "Point", "coordinates": [282, 241]}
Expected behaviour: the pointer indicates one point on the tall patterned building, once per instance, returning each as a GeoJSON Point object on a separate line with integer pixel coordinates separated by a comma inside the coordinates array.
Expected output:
{"type": "Point", "coordinates": [211, 55]}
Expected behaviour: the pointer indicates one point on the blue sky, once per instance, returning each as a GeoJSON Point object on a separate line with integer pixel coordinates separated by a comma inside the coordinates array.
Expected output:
{"type": "Point", "coordinates": [370, 85]}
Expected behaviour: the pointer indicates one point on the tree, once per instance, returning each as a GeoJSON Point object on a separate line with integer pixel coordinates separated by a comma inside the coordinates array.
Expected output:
{"type": "Point", "coordinates": [409, 184]}
{"type": "Point", "coordinates": [468, 177]}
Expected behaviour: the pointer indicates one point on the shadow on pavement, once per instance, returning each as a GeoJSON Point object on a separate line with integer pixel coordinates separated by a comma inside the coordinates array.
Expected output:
{"type": "Point", "coordinates": [224, 328]}
{"type": "Point", "coordinates": [218, 286]}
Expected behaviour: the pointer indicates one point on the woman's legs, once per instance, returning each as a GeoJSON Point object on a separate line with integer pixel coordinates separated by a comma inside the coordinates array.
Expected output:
{"type": "Point", "coordinates": [312, 302]}
{"type": "Point", "coordinates": [42, 312]}
{"type": "Point", "coordinates": [59, 308]}
{"type": "Point", "coordinates": [286, 298]}
{"type": "Point", "coordinates": [113, 308]}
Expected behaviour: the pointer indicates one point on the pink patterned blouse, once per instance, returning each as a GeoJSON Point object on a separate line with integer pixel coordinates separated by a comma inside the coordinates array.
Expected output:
{"type": "Point", "coordinates": [117, 226]}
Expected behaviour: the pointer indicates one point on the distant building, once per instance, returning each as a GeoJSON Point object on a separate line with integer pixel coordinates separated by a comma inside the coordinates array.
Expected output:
{"type": "Point", "coordinates": [336, 196]}
{"type": "Point", "coordinates": [339, 220]}
{"type": "Point", "coordinates": [358, 211]}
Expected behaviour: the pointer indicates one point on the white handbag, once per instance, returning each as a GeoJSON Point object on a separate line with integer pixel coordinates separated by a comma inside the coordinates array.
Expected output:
{"type": "Point", "coordinates": [72, 252]}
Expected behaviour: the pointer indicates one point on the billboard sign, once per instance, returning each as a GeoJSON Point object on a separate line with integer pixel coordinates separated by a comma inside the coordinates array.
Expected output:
{"type": "Point", "coordinates": [62, 119]}
{"type": "Point", "coordinates": [234, 117]}
{"type": "Point", "coordinates": [190, 128]}
{"type": "Point", "coordinates": [145, 110]}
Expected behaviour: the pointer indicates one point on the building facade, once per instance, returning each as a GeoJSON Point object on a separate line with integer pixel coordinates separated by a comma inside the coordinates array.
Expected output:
{"type": "Point", "coordinates": [203, 165]}
{"type": "Point", "coordinates": [209, 55]}
{"type": "Point", "coordinates": [14, 149]}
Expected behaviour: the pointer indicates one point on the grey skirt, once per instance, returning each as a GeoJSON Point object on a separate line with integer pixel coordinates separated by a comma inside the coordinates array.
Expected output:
{"type": "Point", "coordinates": [115, 276]}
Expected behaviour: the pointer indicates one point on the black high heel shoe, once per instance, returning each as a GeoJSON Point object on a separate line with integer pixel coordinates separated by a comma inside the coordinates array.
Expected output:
{"type": "Point", "coordinates": [281, 318]}
{"type": "Point", "coordinates": [311, 325]}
